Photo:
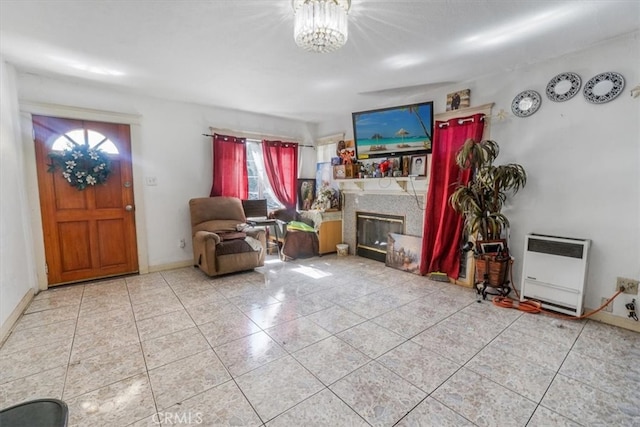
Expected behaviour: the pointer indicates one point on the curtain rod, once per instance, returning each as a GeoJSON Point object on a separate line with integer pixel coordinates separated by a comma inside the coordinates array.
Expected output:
{"type": "Point", "coordinates": [256, 134]}
{"type": "Point", "coordinates": [460, 121]}
{"type": "Point", "coordinates": [299, 145]}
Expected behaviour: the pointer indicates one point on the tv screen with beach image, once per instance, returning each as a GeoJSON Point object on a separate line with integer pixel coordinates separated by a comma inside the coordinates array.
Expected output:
{"type": "Point", "coordinates": [394, 131]}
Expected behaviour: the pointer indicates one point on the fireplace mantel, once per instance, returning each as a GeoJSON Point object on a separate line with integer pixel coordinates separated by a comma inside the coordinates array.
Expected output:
{"type": "Point", "coordinates": [409, 186]}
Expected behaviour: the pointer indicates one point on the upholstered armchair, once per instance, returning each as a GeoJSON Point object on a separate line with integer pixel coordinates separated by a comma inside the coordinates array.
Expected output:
{"type": "Point", "coordinates": [222, 241]}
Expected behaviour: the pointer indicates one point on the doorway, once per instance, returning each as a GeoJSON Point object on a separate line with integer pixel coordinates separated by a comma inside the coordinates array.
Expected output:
{"type": "Point", "coordinates": [88, 233]}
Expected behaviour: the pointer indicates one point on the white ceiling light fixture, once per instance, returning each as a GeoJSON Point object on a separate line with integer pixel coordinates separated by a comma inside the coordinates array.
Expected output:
{"type": "Point", "coordinates": [321, 25]}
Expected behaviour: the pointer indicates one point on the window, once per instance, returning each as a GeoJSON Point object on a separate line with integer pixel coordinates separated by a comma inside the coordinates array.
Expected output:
{"type": "Point", "coordinates": [92, 138]}
{"type": "Point", "coordinates": [325, 152]}
{"type": "Point", "coordinates": [326, 147]}
{"type": "Point", "coordinates": [259, 186]}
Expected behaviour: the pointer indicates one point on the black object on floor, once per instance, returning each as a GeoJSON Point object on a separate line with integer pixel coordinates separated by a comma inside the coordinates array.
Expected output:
{"type": "Point", "coordinates": [36, 413]}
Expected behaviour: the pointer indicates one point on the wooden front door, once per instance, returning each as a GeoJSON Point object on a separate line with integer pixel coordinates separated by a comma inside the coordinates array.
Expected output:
{"type": "Point", "coordinates": [88, 233]}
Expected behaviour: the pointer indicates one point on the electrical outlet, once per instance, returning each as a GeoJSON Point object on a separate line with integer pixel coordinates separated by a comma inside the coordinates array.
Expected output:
{"type": "Point", "coordinates": [182, 243]}
{"type": "Point", "coordinates": [630, 286]}
{"type": "Point", "coordinates": [608, 308]}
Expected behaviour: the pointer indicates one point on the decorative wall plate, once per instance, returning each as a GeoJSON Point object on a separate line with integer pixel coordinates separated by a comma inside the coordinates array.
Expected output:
{"type": "Point", "coordinates": [604, 87]}
{"type": "Point", "coordinates": [526, 103]}
{"type": "Point", "coordinates": [563, 87]}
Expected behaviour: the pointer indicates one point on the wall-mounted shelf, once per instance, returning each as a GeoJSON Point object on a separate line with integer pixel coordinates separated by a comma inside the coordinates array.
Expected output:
{"type": "Point", "coordinates": [409, 186]}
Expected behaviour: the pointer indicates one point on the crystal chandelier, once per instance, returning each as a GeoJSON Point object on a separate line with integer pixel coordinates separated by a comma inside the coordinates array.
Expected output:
{"type": "Point", "coordinates": [321, 25]}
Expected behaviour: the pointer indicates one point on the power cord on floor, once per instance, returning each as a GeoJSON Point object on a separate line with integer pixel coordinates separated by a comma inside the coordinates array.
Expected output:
{"type": "Point", "coordinates": [535, 307]}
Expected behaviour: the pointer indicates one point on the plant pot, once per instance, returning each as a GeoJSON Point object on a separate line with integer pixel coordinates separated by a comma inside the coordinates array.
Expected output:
{"type": "Point", "coordinates": [491, 269]}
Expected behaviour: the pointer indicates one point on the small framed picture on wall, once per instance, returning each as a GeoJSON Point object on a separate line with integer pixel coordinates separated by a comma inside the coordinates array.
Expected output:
{"type": "Point", "coordinates": [418, 165]}
{"type": "Point", "coordinates": [457, 100]}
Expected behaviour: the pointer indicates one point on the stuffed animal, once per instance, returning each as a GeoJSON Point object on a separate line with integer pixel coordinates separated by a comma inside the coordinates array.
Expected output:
{"type": "Point", "coordinates": [347, 155]}
{"type": "Point", "coordinates": [384, 167]}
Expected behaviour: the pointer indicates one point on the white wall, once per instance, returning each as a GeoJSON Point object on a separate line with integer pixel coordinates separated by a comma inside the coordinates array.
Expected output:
{"type": "Point", "coordinates": [169, 147]}
{"type": "Point", "coordinates": [583, 160]}
{"type": "Point", "coordinates": [583, 166]}
{"type": "Point", "coordinates": [17, 271]}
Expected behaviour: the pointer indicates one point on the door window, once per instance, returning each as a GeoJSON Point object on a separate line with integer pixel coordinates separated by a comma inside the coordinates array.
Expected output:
{"type": "Point", "coordinates": [91, 138]}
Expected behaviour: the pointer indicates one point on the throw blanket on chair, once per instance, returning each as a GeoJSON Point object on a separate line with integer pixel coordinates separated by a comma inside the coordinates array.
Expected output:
{"type": "Point", "coordinates": [301, 241]}
{"type": "Point", "coordinates": [232, 242]}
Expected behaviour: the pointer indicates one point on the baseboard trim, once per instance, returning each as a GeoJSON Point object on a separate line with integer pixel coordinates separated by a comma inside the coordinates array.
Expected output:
{"type": "Point", "coordinates": [8, 325]}
{"type": "Point", "coordinates": [610, 319]}
{"type": "Point", "coordinates": [170, 266]}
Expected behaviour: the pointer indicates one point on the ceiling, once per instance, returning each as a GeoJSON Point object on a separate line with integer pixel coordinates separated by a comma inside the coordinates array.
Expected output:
{"type": "Point", "coordinates": [240, 54]}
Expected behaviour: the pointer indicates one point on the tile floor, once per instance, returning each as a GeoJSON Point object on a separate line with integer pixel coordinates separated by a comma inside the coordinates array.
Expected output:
{"type": "Point", "coordinates": [331, 341]}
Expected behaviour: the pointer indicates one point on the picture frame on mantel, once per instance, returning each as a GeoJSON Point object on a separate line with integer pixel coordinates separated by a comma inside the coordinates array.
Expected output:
{"type": "Point", "coordinates": [418, 165]}
{"type": "Point", "coordinates": [406, 165]}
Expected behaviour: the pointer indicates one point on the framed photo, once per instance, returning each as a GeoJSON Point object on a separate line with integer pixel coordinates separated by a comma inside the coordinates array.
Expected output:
{"type": "Point", "coordinates": [459, 99]}
{"type": "Point", "coordinates": [404, 252]}
{"type": "Point", "coordinates": [418, 165]}
{"type": "Point", "coordinates": [306, 193]}
{"type": "Point", "coordinates": [491, 246]}
{"type": "Point", "coordinates": [406, 165]}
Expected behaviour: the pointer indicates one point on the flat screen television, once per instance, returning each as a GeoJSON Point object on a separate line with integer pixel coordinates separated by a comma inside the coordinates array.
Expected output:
{"type": "Point", "coordinates": [393, 131]}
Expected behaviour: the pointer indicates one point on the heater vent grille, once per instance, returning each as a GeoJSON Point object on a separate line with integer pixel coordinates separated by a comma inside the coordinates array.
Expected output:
{"type": "Point", "coordinates": [568, 249]}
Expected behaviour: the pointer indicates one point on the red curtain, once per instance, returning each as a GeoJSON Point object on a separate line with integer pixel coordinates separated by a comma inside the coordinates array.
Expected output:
{"type": "Point", "coordinates": [442, 225]}
{"type": "Point", "coordinates": [281, 166]}
{"type": "Point", "coordinates": [230, 167]}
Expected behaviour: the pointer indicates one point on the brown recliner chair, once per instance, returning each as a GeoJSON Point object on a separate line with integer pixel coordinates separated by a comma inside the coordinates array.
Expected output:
{"type": "Point", "coordinates": [219, 247]}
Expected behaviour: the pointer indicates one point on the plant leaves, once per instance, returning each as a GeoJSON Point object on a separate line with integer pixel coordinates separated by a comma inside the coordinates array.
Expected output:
{"type": "Point", "coordinates": [481, 200]}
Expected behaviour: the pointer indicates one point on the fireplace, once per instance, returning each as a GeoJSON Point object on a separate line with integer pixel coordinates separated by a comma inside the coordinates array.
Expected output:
{"type": "Point", "coordinates": [372, 231]}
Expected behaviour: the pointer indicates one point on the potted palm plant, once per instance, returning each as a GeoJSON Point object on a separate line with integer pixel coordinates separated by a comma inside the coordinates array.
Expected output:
{"type": "Point", "coordinates": [480, 202]}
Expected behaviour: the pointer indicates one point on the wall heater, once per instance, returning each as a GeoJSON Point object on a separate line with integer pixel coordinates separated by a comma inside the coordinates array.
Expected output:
{"type": "Point", "coordinates": [555, 272]}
